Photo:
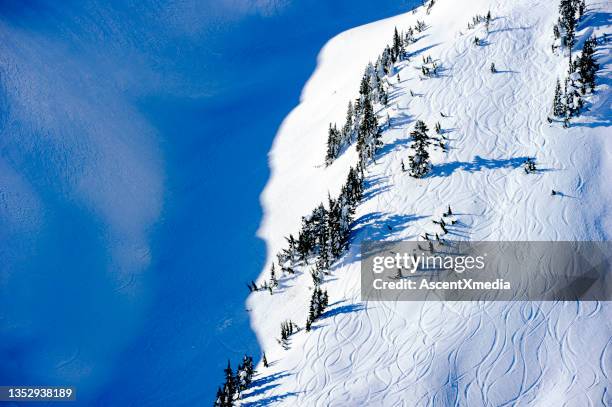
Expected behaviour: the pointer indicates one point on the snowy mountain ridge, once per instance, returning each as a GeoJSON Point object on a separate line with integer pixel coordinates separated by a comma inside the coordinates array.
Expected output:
{"type": "Point", "coordinates": [481, 353]}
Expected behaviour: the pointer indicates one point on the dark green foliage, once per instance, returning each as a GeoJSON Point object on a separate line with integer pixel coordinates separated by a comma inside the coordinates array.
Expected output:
{"type": "Point", "coordinates": [397, 47]}
{"type": "Point", "coordinates": [558, 107]}
{"type": "Point", "coordinates": [229, 393]}
{"type": "Point", "coordinates": [273, 278]}
{"type": "Point", "coordinates": [567, 22]}
{"type": "Point", "coordinates": [587, 67]}
{"type": "Point", "coordinates": [529, 166]}
{"type": "Point", "coordinates": [288, 328]}
{"type": "Point", "coordinates": [369, 136]}
{"type": "Point", "coordinates": [419, 161]}
{"type": "Point", "coordinates": [244, 374]}
{"type": "Point", "coordinates": [318, 303]}
{"type": "Point", "coordinates": [334, 140]}
{"type": "Point", "coordinates": [264, 360]}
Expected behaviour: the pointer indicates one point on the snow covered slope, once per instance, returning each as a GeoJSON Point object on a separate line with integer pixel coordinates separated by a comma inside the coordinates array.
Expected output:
{"type": "Point", "coordinates": [479, 353]}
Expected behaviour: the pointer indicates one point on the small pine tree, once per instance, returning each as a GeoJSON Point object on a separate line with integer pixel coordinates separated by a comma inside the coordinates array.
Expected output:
{"type": "Point", "coordinates": [587, 67]}
{"type": "Point", "coordinates": [558, 108]}
{"type": "Point", "coordinates": [419, 162]}
{"type": "Point", "coordinates": [333, 144]}
{"type": "Point", "coordinates": [420, 26]}
{"type": "Point", "coordinates": [273, 279]}
{"type": "Point", "coordinates": [397, 46]}
{"type": "Point", "coordinates": [265, 360]}
{"type": "Point", "coordinates": [567, 21]}
{"type": "Point", "coordinates": [581, 8]}
{"type": "Point", "coordinates": [529, 166]}
{"type": "Point", "coordinates": [369, 137]}
{"type": "Point", "coordinates": [493, 69]}
{"type": "Point", "coordinates": [229, 388]}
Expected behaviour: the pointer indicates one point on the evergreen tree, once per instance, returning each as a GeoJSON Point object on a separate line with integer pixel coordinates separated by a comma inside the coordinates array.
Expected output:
{"type": "Point", "coordinates": [219, 399]}
{"type": "Point", "coordinates": [265, 360]}
{"type": "Point", "coordinates": [347, 130]}
{"type": "Point", "coordinates": [398, 46]}
{"type": "Point", "coordinates": [319, 227]}
{"type": "Point", "coordinates": [558, 108]}
{"type": "Point", "coordinates": [556, 32]}
{"type": "Point", "coordinates": [318, 302]}
{"type": "Point", "coordinates": [244, 374]}
{"type": "Point", "coordinates": [420, 26]}
{"type": "Point", "coordinates": [306, 239]}
{"type": "Point", "coordinates": [573, 101]}
{"type": "Point", "coordinates": [529, 166]}
{"type": "Point", "coordinates": [273, 279]}
{"type": "Point", "coordinates": [419, 162]}
{"type": "Point", "coordinates": [567, 21]}
{"type": "Point", "coordinates": [581, 7]}
{"type": "Point", "coordinates": [287, 328]}
{"type": "Point", "coordinates": [334, 227]}
{"type": "Point", "coordinates": [288, 257]}
{"type": "Point", "coordinates": [409, 37]}
{"type": "Point", "coordinates": [587, 67]}
{"type": "Point", "coordinates": [333, 144]}
{"type": "Point", "coordinates": [369, 137]}
{"type": "Point", "coordinates": [229, 388]}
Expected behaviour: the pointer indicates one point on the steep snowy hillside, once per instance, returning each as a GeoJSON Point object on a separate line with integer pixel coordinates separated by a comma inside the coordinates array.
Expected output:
{"type": "Point", "coordinates": [467, 353]}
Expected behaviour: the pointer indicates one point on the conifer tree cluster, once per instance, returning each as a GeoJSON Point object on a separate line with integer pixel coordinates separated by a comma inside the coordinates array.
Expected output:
{"type": "Point", "coordinates": [318, 302]}
{"type": "Point", "coordinates": [419, 161]}
{"type": "Point", "coordinates": [429, 67]}
{"type": "Point", "coordinates": [420, 26]}
{"type": "Point", "coordinates": [430, 6]}
{"type": "Point", "coordinates": [324, 233]}
{"type": "Point", "coordinates": [373, 89]}
{"type": "Point", "coordinates": [586, 66]}
{"type": "Point", "coordinates": [235, 384]}
{"type": "Point", "coordinates": [369, 136]}
{"type": "Point", "coordinates": [581, 77]}
{"type": "Point", "coordinates": [477, 19]}
{"type": "Point", "coordinates": [570, 11]}
{"type": "Point", "coordinates": [529, 166]}
{"type": "Point", "coordinates": [288, 328]}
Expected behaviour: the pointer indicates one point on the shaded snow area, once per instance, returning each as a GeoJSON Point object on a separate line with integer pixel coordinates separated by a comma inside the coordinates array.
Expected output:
{"type": "Point", "coordinates": [435, 353]}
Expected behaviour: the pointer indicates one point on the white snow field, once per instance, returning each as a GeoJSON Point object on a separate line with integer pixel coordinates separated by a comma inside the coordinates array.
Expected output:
{"type": "Point", "coordinates": [436, 353]}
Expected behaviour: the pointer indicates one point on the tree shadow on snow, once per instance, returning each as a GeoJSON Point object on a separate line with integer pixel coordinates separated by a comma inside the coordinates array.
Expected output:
{"type": "Point", "coordinates": [596, 20]}
{"type": "Point", "coordinates": [477, 164]}
{"type": "Point", "coordinates": [421, 50]}
{"type": "Point", "coordinates": [262, 385]}
{"type": "Point", "coordinates": [342, 309]}
{"type": "Point", "coordinates": [372, 187]}
{"type": "Point", "coordinates": [390, 147]}
{"type": "Point", "coordinates": [378, 225]}
{"type": "Point", "coordinates": [501, 30]}
{"type": "Point", "coordinates": [501, 71]}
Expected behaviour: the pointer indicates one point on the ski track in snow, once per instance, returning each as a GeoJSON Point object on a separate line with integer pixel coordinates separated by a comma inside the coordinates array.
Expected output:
{"type": "Point", "coordinates": [434, 353]}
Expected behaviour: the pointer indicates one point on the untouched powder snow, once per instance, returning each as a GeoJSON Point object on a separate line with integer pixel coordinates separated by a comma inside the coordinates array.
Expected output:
{"type": "Point", "coordinates": [435, 353]}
